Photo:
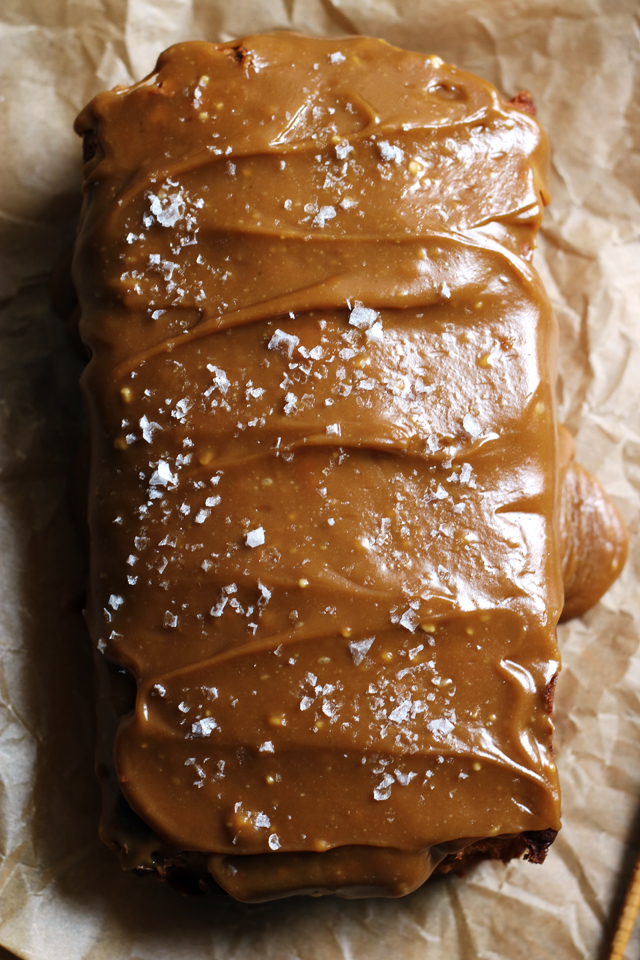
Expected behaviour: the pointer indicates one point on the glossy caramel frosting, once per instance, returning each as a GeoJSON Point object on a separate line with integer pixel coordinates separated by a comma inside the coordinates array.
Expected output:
{"type": "Point", "coordinates": [324, 482]}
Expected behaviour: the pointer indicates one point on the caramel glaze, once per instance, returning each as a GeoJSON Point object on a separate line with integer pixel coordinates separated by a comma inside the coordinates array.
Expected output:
{"type": "Point", "coordinates": [593, 536]}
{"type": "Point", "coordinates": [324, 478]}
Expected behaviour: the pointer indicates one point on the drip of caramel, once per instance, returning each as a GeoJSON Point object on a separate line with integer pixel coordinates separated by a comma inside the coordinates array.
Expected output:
{"type": "Point", "coordinates": [324, 475]}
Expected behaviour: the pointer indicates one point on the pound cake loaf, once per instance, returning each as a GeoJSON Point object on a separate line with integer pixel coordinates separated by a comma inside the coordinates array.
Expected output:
{"type": "Point", "coordinates": [330, 509]}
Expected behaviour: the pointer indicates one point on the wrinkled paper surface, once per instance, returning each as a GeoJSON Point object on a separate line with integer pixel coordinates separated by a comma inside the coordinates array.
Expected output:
{"type": "Point", "coordinates": [62, 895]}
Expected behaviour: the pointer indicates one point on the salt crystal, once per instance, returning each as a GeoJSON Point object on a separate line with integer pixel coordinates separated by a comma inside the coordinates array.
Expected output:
{"type": "Point", "coordinates": [402, 712]}
{"type": "Point", "coordinates": [274, 841]}
{"type": "Point", "coordinates": [265, 594]}
{"type": "Point", "coordinates": [168, 211]}
{"type": "Point", "coordinates": [347, 203]}
{"type": "Point", "coordinates": [163, 476]}
{"type": "Point", "coordinates": [204, 727]}
{"type": "Point", "coordinates": [360, 648]}
{"type": "Point", "coordinates": [337, 57]}
{"type": "Point", "coordinates": [374, 333]}
{"type": "Point", "coordinates": [347, 353]}
{"type": "Point", "coordinates": [305, 703]}
{"type": "Point", "coordinates": [182, 408]}
{"type": "Point", "coordinates": [441, 493]}
{"type": "Point", "coordinates": [255, 538]}
{"type": "Point", "coordinates": [284, 343]}
{"type": "Point", "coordinates": [471, 425]}
{"type": "Point", "coordinates": [219, 607]}
{"type": "Point", "coordinates": [390, 152]}
{"type": "Point", "coordinates": [115, 601]}
{"type": "Point", "coordinates": [342, 151]}
{"type": "Point", "coordinates": [362, 317]}
{"type": "Point", "coordinates": [220, 380]}
{"type": "Point", "coordinates": [404, 778]}
{"type": "Point", "coordinates": [440, 728]}
{"type": "Point", "coordinates": [323, 214]}
{"type": "Point", "coordinates": [262, 820]}
{"type": "Point", "coordinates": [148, 428]}
{"type": "Point", "coordinates": [465, 473]}
{"type": "Point", "coordinates": [170, 619]}
{"type": "Point", "coordinates": [202, 515]}
{"type": "Point", "coordinates": [184, 707]}
{"type": "Point", "coordinates": [383, 790]}
{"type": "Point", "coordinates": [333, 428]}
{"type": "Point", "coordinates": [213, 501]}
{"type": "Point", "coordinates": [266, 747]}
{"type": "Point", "coordinates": [410, 619]}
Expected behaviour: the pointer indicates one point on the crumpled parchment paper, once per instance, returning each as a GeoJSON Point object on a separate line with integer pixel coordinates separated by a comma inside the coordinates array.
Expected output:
{"type": "Point", "coordinates": [62, 895]}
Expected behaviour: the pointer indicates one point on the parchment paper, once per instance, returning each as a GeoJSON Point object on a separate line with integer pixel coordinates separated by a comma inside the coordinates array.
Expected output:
{"type": "Point", "coordinates": [62, 896]}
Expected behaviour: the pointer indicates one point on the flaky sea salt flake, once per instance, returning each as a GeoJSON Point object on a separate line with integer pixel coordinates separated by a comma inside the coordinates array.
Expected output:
{"type": "Point", "coordinates": [255, 538]}
{"type": "Point", "coordinates": [216, 611]}
{"type": "Point", "coordinates": [265, 594]}
{"type": "Point", "coordinates": [148, 427]}
{"type": "Point", "coordinates": [204, 727]}
{"type": "Point", "coordinates": [440, 728]}
{"type": "Point", "coordinates": [389, 152]}
{"type": "Point", "coordinates": [383, 790]}
{"type": "Point", "coordinates": [402, 712]}
{"type": "Point", "coordinates": [465, 473]}
{"type": "Point", "coordinates": [471, 425]}
{"type": "Point", "coordinates": [374, 334]}
{"type": "Point", "coordinates": [168, 210]}
{"type": "Point", "coordinates": [404, 778]}
{"type": "Point", "coordinates": [163, 476]}
{"type": "Point", "coordinates": [220, 379]}
{"type": "Point", "coordinates": [343, 150]}
{"type": "Point", "coordinates": [360, 648]}
{"type": "Point", "coordinates": [323, 214]}
{"type": "Point", "coordinates": [362, 317]}
{"type": "Point", "coordinates": [284, 343]}
{"type": "Point", "coordinates": [410, 619]}
{"type": "Point", "coordinates": [291, 402]}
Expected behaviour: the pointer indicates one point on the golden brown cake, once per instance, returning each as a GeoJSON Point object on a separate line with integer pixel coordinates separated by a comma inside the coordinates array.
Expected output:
{"type": "Point", "coordinates": [329, 509]}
